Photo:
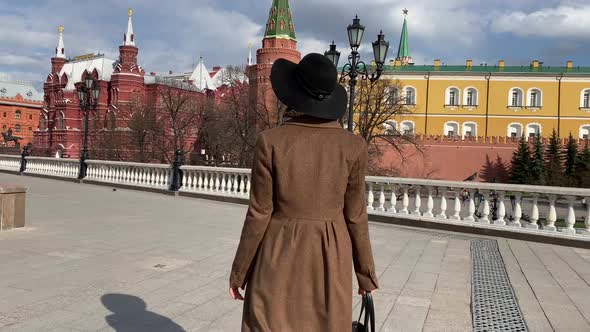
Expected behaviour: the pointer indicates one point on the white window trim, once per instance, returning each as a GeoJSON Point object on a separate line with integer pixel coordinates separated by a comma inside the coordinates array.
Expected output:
{"type": "Point", "coordinates": [449, 123]}
{"type": "Point", "coordinates": [539, 98]}
{"type": "Point", "coordinates": [509, 134]}
{"type": "Point", "coordinates": [391, 123]}
{"type": "Point", "coordinates": [534, 124]}
{"type": "Point", "coordinates": [408, 121]}
{"type": "Point", "coordinates": [580, 130]}
{"type": "Point", "coordinates": [448, 97]}
{"type": "Point", "coordinates": [510, 91]}
{"type": "Point", "coordinates": [469, 123]}
{"type": "Point", "coordinates": [476, 97]}
{"type": "Point", "coordinates": [405, 89]}
{"type": "Point", "coordinates": [582, 99]}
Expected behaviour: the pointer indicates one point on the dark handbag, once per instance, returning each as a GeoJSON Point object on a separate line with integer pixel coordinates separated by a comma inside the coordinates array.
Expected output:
{"type": "Point", "coordinates": [369, 309]}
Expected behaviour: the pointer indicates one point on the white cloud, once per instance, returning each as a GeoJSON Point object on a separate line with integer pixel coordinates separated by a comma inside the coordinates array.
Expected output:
{"type": "Point", "coordinates": [562, 21]}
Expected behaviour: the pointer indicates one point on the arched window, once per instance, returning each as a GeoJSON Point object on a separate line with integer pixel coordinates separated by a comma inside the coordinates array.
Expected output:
{"type": "Point", "coordinates": [17, 128]}
{"type": "Point", "coordinates": [470, 97]}
{"type": "Point", "coordinates": [111, 120]}
{"type": "Point", "coordinates": [60, 120]}
{"type": "Point", "coordinates": [533, 129]}
{"type": "Point", "coordinates": [585, 132]}
{"type": "Point", "coordinates": [515, 97]}
{"type": "Point", "coordinates": [30, 116]}
{"type": "Point", "coordinates": [534, 98]}
{"type": "Point", "coordinates": [453, 96]}
{"type": "Point", "coordinates": [469, 129]}
{"type": "Point", "coordinates": [390, 127]}
{"type": "Point", "coordinates": [410, 95]}
{"type": "Point", "coordinates": [392, 95]}
{"type": "Point", "coordinates": [451, 129]}
{"type": "Point", "coordinates": [585, 99]}
{"type": "Point", "coordinates": [17, 114]}
{"type": "Point", "coordinates": [515, 130]}
{"type": "Point", "coordinates": [408, 127]}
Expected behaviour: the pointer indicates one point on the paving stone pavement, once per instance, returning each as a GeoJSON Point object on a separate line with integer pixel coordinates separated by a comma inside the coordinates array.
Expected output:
{"type": "Point", "coordinates": [94, 259]}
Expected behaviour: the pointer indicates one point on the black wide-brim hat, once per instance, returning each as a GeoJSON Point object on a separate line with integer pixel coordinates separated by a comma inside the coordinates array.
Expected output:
{"type": "Point", "coordinates": [310, 87]}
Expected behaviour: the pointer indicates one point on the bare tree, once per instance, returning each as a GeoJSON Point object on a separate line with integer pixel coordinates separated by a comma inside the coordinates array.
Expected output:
{"type": "Point", "coordinates": [269, 109]}
{"type": "Point", "coordinates": [142, 129]}
{"type": "Point", "coordinates": [376, 103]}
{"type": "Point", "coordinates": [179, 110]}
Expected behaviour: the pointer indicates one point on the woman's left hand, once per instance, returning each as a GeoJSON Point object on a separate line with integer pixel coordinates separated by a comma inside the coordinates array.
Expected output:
{"type": "Point", "coordinates": [234, 292]}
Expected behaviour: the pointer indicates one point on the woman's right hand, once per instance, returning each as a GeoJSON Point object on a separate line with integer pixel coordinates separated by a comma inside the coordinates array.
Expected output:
{"type": "Point", "coordinates": [234, 292]}
{"type": "Point", "coordinates": [364, 292]}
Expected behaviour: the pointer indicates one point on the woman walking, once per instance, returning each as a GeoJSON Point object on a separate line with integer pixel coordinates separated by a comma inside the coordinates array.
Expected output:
{"type": "Point", "coordinates": [306, 224]}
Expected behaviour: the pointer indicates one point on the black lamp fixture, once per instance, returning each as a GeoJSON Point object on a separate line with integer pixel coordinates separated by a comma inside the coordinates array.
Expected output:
{"type": "Point", "coordinates": [355, 67]}
{"type": "Point", "coordinates": [88, 94]}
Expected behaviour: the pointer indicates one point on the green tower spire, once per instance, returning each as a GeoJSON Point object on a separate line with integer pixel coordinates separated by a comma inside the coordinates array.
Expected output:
{"type": "Point", "coordinates": [280, 21]}
{"type": "Point", "coordinates": [403, 53]}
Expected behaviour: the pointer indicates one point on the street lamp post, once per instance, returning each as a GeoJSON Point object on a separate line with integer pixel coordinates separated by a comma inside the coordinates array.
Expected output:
{"type": "Point", "coordinates": [88, 93]}
{"type": "Point", "coordinates": [355, 67]}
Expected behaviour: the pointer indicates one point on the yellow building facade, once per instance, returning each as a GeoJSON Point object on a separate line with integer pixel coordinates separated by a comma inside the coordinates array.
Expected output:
{"type": "Point", "coordinates": [489, 100]}
{"type": "Point", "coordinates": [493, 100]}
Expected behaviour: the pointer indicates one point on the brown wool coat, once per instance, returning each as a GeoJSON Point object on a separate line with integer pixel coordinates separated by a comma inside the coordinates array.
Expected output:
{"type": "Point", "coordinates": [305, 226]}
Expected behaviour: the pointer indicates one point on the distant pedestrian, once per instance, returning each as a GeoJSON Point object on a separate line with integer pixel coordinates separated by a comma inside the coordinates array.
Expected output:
{"type": "Point", "coordinates": [307, 220]}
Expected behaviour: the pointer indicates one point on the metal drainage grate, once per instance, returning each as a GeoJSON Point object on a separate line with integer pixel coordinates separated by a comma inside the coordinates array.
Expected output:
{"type": "Point", "coordinates": [493, 304]}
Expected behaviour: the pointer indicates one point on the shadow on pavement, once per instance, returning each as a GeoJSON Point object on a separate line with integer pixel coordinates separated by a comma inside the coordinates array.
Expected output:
{"type": "Point", "coordinates": [129, 314]}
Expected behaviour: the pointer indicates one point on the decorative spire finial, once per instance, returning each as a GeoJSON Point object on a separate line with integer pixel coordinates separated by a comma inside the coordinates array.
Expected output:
{"type": "Point", "coordinates": [406, 11]}
{"type": "Point", "coordinates": [60, 50]}
{"type": "Point", "coordinates": [129, 37]}
{"type": "Point", "coordinates": [60, 28]}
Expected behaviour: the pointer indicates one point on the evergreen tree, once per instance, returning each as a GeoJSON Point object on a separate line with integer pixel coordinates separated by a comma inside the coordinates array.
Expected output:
{"type": "Point", "coordinates": [582, 174]}
{"type": "Point", "coordinates": [571, 156]}
{"type": "Point", "coordinates": [520, 167]}
{"type": "Point", "coordinates": [487, 172]}
{"type": "Point", "coordinates": [500, 170]}
{"type": "Point", "coordinates": [538, 162]}
{"type": "Point", "coordinates": [553, 165]}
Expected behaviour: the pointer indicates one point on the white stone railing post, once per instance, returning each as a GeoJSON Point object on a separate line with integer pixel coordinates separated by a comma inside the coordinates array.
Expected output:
{"type": "Point", "coordinates": [393, 200]}
{"type": "Point", "coordinates": [485, 211]}
{"type": "Point", "coordinates": [470, 207]}
{"type": "Point", "coordinates": [405, 201]}
{"type": "Point", "coordinates": [429, 203]}
{"type": "Point", "coordinates": [534, 218]}
{"type": "Point", "coordinates": [570, 220]}
{"type": "Point", "coordinates": [417, 202]}
{"type": "Point", "coordinates": [517, 213]}
{"type": "Point", "coordinates": [443, 204]}
{"type": "Point", "coordinates": [457, 206]}
{"type": "Point", "coordinates": [370, 197]}
{"type": "Point", "coordinates": [552, 215]}
{"type": "Point", "coordinates": [501, 209]}
{"type": "Point", "coordinates": [381, 207]}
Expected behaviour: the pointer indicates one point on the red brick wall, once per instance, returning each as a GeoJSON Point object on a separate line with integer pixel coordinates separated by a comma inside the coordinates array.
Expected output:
{"type": "Point", "coordinates": [29, 120]}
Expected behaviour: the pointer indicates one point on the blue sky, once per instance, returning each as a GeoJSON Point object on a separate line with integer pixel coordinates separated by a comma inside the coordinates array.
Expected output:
{"type": "Point", "coordinates": [172, 35]}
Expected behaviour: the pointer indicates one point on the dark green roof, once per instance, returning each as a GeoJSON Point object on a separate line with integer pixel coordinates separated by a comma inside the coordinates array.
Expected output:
{"type": "Point", "coordinates": [404, 45]}
{"type": "Point", "coordinates": [280, 22]}
{"type": "Point", "coordinates": [529, 70]}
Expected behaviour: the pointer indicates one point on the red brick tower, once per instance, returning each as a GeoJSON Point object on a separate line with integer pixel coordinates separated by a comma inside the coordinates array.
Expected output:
{"type": "Point", "coordinates": [279, 42]}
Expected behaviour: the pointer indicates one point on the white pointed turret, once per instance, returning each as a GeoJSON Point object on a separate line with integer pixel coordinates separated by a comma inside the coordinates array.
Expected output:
{"type": "Point", "coordinates": [201, 78]}
{"type": "Point", "coordinates": [249, 54]}
{"type": "Point", "coordinates": [60, 51]}
{"type": "Point", "coordinates": [129, 37]}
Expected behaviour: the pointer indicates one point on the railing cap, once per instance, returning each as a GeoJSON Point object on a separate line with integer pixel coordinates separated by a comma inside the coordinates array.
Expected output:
{"type": "Point", "coordinates": [216, 169]}
{"type": "Point", "coordinates": [59, 160]}
{"type": "Point", "coordinates": [123, 163]}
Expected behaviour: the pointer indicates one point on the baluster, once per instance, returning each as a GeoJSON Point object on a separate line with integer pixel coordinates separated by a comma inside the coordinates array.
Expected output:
{"type": "Point", "coordinates": [217, 182]}
{"type": "Point", "coordinates": [457, 206]}
{"type": "Point", "coordinates": [185, 179]}
{"type": "Point", "coordinates": [206, 180]}
{"type": "Point", "coordinates": [443, 203]}
{"type": "Point", "coordinates": [501, 213]}
{"type": "Point", "coordinates": [587, 221]}
{"type": "Point", "coordinates": [234, 183]}
{"type": "Point", "coordinates": [429, 203]}
{"type": "Point", "coordinates": [552, 216]}
{"type": "Point", "coordinates": [393, 200]}
{"type": "Point", "coordinates": [381, 206]}
{"type": "Point", "coordinates": [570, 220]}
{"type": "Point", "coordinates": [470, 207]}
{"type": "Point", "coordinates": [242, 183]}
{"type": "Point", "coordinates": [200, 180]}
{"type": "Point", "coordinates": [370, 198]}
{"type": "Point", "coordinates": [517, 213]}
{"type": "Point", "coordinates": [534, 213]}
{"type": "Point", "coordinates": [417, 202]}
{"type": "Point", "coordinates": [248, 184]}
{"type": "Point", "coordinates": [223, 182]}
{"type": "Point", "coordinates": [405, 201]}
{"type": "Point", "coordinates": [485, 213]}
{"type": "Point", "coordinates": [144, 176]}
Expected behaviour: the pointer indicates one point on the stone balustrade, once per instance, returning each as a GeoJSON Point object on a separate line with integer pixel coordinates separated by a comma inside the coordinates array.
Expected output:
{"type": "Point", "coordinates": [145, 175]}
{"type": "Point", "coordinates": [216, 180]}
{"type": "Point", "coordinates": [9, 162]}
{"type": "Point", "coordinates": [66, 168]}
{"type": "Point", "coordinates": [532, 208]}
{"type": "Point", "coordinates": [549, 211]}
